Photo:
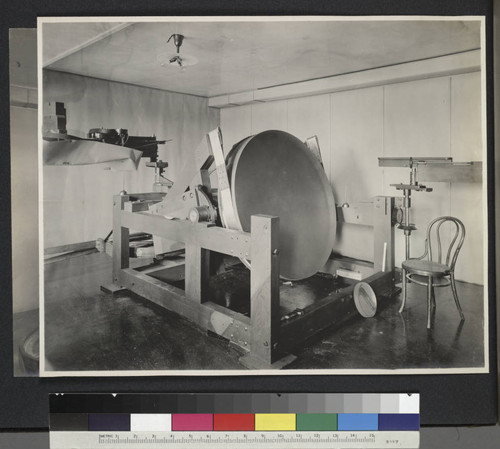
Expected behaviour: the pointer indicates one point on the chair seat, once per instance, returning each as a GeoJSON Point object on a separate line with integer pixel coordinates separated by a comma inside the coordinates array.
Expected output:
{"type": "Point", "coordinates": [437, 281]}
{"type": "Point", "coordinates": [426, 267]}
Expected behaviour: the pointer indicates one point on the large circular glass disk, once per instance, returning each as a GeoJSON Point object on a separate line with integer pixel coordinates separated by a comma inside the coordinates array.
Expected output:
{"type": "Point", "coordinates": [274, 173]}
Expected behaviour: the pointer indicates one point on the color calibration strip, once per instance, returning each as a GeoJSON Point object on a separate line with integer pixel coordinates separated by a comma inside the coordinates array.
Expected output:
{"type": "Point", "coordinates": [114, 421]}
{"type": "Point", "coordinates": [203, 422]}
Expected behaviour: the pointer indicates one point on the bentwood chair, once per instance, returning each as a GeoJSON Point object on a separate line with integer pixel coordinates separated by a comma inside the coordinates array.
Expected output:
{"type": "Point", "coordinates": [431, 269]}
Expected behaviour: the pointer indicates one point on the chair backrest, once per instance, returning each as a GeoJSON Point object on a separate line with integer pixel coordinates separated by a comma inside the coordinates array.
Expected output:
{"type": "Point", "coordinates": [456, 242]}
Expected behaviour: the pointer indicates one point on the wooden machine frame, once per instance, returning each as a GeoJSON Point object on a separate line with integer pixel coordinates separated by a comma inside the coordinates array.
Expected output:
{"type": "Point", "coordinates": [263, 336]}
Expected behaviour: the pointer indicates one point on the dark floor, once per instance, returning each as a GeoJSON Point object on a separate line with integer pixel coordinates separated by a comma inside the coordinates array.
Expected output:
{"type": "Point", "coordinates": [391, 340]}
{"type": "Point", "coordinates": [88, 330]}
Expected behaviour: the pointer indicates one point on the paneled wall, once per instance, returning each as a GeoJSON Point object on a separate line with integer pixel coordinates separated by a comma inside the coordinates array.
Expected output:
{"type": "Point", "coordinates": [78, 200]}
{"type": "Point", "coordinates": [429, 117]}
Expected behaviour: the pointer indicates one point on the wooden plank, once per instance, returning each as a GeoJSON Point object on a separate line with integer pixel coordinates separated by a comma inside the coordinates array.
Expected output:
{"type": "Point", "coordinates": [156, 224]}
{"type": "Point", "coordinates": [228, 214]}
{"type": "Point", "coordinates": [383, 233]}
{"type": "Point", "coordinates": [264, 287]}
{"type": "Point", "coordinates": [226, 241]}
{"type": "Point", "coordinates": [81, 246]}
{"type": "Point", "coordinates": [231, 242]}
{"type": "Point", "coordinates": [313, 144]}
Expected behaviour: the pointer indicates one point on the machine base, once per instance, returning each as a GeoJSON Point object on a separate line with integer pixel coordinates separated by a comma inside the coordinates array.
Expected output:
{"type": "Point", "coordinates": [270, 317]}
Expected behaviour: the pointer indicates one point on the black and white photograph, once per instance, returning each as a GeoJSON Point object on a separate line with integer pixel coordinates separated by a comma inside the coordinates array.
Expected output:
{"type": "Point", "coordinates": [260, 195]}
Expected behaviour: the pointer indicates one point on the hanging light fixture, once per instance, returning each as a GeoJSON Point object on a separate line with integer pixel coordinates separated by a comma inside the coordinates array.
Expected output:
{"type": "Point", "coordinates": [178, 38]}
{"type": "Point", "coordinates": [177, 59]}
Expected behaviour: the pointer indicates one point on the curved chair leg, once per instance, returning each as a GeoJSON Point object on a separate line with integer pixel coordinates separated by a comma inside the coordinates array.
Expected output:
{"type": "Point", "coordinates": [403, 291]}
{"type": "Point", "coordinates": [433, 299]}
{"type": "Point", "coordinates": [455, 296]}
{"type": "Point", "coordinates": [429, 300]}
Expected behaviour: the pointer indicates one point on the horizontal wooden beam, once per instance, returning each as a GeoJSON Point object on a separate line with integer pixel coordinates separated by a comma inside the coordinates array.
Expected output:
{"type": "Point", "coordinates": [213, 238]}
{"type": "Point", "coordinates": [226, 241]}
{"type": "Point", "coordinates": [455, 64]}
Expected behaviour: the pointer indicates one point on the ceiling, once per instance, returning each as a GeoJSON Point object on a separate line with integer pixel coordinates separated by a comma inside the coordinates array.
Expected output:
{"type": "Point", "coordinates": [247, 55]}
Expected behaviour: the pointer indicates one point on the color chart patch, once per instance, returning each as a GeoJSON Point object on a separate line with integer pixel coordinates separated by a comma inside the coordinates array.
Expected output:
{"type": "Point", "coordinates": [259, 422]}
{"type": "Point", "coordinates": [238, 420]}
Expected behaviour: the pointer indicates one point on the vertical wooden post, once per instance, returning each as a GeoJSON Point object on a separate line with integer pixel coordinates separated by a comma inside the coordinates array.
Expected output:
{"type": "Point", "coordinates": [264, 287]}
{"type": "Point", "coordinates": [383, 232]}
{"type": "Point", "coordinates": [197, 270]}
{"type": "Point", "coordinates": [120, 238]}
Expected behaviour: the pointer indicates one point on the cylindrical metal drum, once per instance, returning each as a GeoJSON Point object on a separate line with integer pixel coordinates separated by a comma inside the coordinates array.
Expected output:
{"type": "Point", "coordinates": [274, 173]}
